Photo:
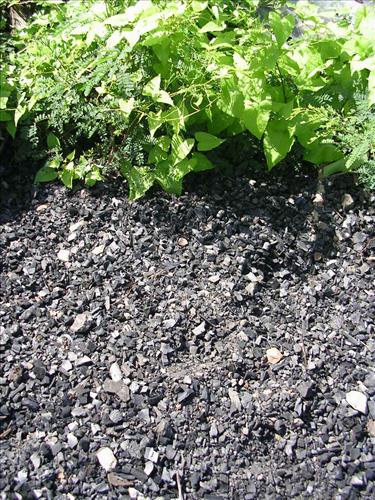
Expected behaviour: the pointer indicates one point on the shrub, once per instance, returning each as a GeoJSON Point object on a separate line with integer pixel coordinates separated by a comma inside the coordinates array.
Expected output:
{"type": "Point", "coordinates": [148, 88]}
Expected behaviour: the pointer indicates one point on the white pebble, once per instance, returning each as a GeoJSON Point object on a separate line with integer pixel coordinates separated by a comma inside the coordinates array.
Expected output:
{"type": "Point", "coordinates": [106, 458]}
{"type": "Point", "coordinates": [357, 400]}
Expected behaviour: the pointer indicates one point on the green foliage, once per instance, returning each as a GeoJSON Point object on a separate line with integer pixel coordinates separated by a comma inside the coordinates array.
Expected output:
{"type": "Point", "coordinates": [355, 135]}
{"type": "Point", "coordinates": [146, 88]}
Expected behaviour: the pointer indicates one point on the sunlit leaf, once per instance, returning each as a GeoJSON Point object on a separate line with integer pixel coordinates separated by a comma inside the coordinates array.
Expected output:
{"type": "Point", "coordinates": [206, 142]}
{"type": "Point", "coordinates": [45, 174]}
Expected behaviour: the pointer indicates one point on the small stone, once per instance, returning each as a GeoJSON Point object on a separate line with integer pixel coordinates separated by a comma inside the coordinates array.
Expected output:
{"type": "Point", "coordinates": [357, 400]}
{"type": "Point", "coordinates": [199, 329]}
{"type": "Point", "coordinates": [273, 355]}
{"type": "Point", "coordinates": [72, 440]}
{"type": "Point", "coordinates": [152, 455]}
{"type": "Point", "coordinates": [81, 323]}
{"type": "Point", "coordinates": [117, 479]}
{"type": "Point", "coordinates": [119, 388]}
{"type": "Point", "coordinates": [35, 460]}
{"type": "Point", "coordinates": [318, 200]}
{"type": "Point", "coordinates": [371, 428]}
{"type": "Point", "coordinates": [95, 428]}
{"type": "Point", "coordinates": [84, 361]}
{"type": "Point", "coordinates": [347, 201]}
{"type": "Point", "coordinates": [116, 417]}
{"type": "Point", "coordinates": [134, 493]}
{"type": "Point", "coordinates": [184, 396]}
{"type": "Point", "coordinates": [305, 389]}
{"type": "Point", "coordinates": [213, 430]}
{"type": "Point", "coordinates": [63, 255]}
{"type": "Point", "coordinates": [98, 250]}
{"type": "Point", "coordinates": [40, 208]}
{"type": "Point", "coordinates": [215, 278]}
{"type": "Point", "coordinates": [115, 372]}
{"type": "Point", "coordinates": [182, 242]}
{"type": "Point", "coordinates": [66, 366]}
{"type": "Point", "coordinates": [76, 225]}
{"type": "Point", "coordinates": [235, 399]}
{"type": "Point", "coordinates": [106, 458]}
{"type": "Point", "coordinates": [149, 468]}
{"type": "Point", "coordinates": [317, 256]}
{"type": "Point", "coordinates": [169, 323]}
{"type": "Point", "coordinates": [251, 288]}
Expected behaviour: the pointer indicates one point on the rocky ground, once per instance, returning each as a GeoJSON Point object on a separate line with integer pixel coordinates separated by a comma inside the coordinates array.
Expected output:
{"type": "Point", "coordinates": [216, 345]}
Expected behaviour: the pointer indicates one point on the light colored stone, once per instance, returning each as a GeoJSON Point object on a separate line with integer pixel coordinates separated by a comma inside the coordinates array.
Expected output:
{"type": "Point", "coordinates": [251, 288]}
{"type": "Point", "coordinates": [182, 242]}
{"type": "Point", "coordinates": [106, 458]}
{"type": "Point", "coordinates": [80, 322]}
{"type": "Point", "coordinates": [66, 365]}
{"type": "Point", "coordinates": [371, 428]}
{"type": "Point", "coordinates": [63, 255]}
{"type": "Point", "coordinates": [274, 355]}
{"type": "Point", "coordinates": [77, 225]}
{"type": "Point", "coordinates": [98, 250]}
{"type": "Point", "coordinates": [200, 329]}
{"type": "Point", "coordinates": [357, 400]}
{"type": "Point", "coordinates": [115, 372]}
{"type": "Point", "coordinates": [72, 440]}
{"type": "Point", "coordinates": [234, 399]}
{"type": "Point", "coordinates": [95, 428]}
{"type": "Point", "coordinates": [318, 200]}
{"type": "Point", "coordinates": [347, 201]}
{"type": "Point", "coordinates": [40, 208]}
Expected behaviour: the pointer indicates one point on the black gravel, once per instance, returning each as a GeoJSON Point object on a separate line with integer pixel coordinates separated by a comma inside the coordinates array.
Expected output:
{"type": "Point", "coordinates": [143, 330]}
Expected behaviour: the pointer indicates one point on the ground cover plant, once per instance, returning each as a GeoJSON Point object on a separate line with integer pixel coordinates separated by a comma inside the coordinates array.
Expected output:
{"type": "Point", "coordinates": [147, 89]}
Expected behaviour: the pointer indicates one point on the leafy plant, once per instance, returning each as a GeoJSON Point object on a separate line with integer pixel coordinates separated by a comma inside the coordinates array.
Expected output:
{"type": "Point", "coordinates": [148, 88]}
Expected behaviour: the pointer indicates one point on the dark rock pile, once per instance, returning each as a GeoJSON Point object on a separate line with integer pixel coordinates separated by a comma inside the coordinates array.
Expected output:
{"type": "Point", "coordinates": [218, 345]}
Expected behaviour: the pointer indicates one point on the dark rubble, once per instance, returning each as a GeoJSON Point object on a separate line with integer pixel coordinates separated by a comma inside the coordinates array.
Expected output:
{"type": "Point", "coordinates": [134, 339]}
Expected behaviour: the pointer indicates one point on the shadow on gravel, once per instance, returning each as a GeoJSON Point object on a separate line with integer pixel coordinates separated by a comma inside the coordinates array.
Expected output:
{"type": "Point", "coordinates": [286, 201]}
{"type": "Point", "coordinates": [17, 190]}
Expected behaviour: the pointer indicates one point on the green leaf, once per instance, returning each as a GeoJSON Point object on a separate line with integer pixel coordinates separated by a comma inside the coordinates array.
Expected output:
{"type": "Point", "coordinates": [164, 142]}
{"type": "Point", "coordinates": [371, 88]}
{"type": "Point", "coordinates": [11, 128]}
{"type": "Point", "coordinates": [118, 21]}
{"type": "Point", "coordinates": [18, 114]}
{"type": "Point", "coordinates": [52, 141]}
{"type": "Point", "coordinates": [140, 179]}
{"type": "Point", "coordinates": [155, 121]}
{"type": "Point", "coordinates": [45, 174]}
{"type": "Point", "coordinates": [231, 100]}
{"type": "Point", "coordinates": [281, 26]}
{"type": "Point", "coordinates": [212, 27]}
{"type": "Point", "coordinates": [206, 142]}
{"type": "Point", "coordinates": [126, 106]}
{"type": "Point", "coordinates": [131, 37]}
{"type": "Point", "coordinates": [164, 97]}
{"type": "Point", "coordinates": [202, 162]}
{"type": "Point", "coordinates": [4, 100]}
{"type": "Point", "coordinates": [180, 148]}
{"type": "Point", "coordinates": [71, 155]}
{"type": "Point", "coordinates": [67, 177]}
{"type": "Point", "coordinates": [278, 140]}
{"type": "Point", "coordinates": [198, 6]}
{"type": "Point", "coordinates": [114, 39]}
{"type": "Point", "coordinates": [256, 120]}
{"type": "Point", "coordinates": [170, 176]}
{"type": "Point", "coordinates": [157, 155]}
{"type": "Point", "coordinates": [322, 153]}
{"type": "Point", "coordinates": [93, 177]}
{"type": "Point", "coordinates": [152, 88]}
{"type": "Point", "coordinates": [5, 116]}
